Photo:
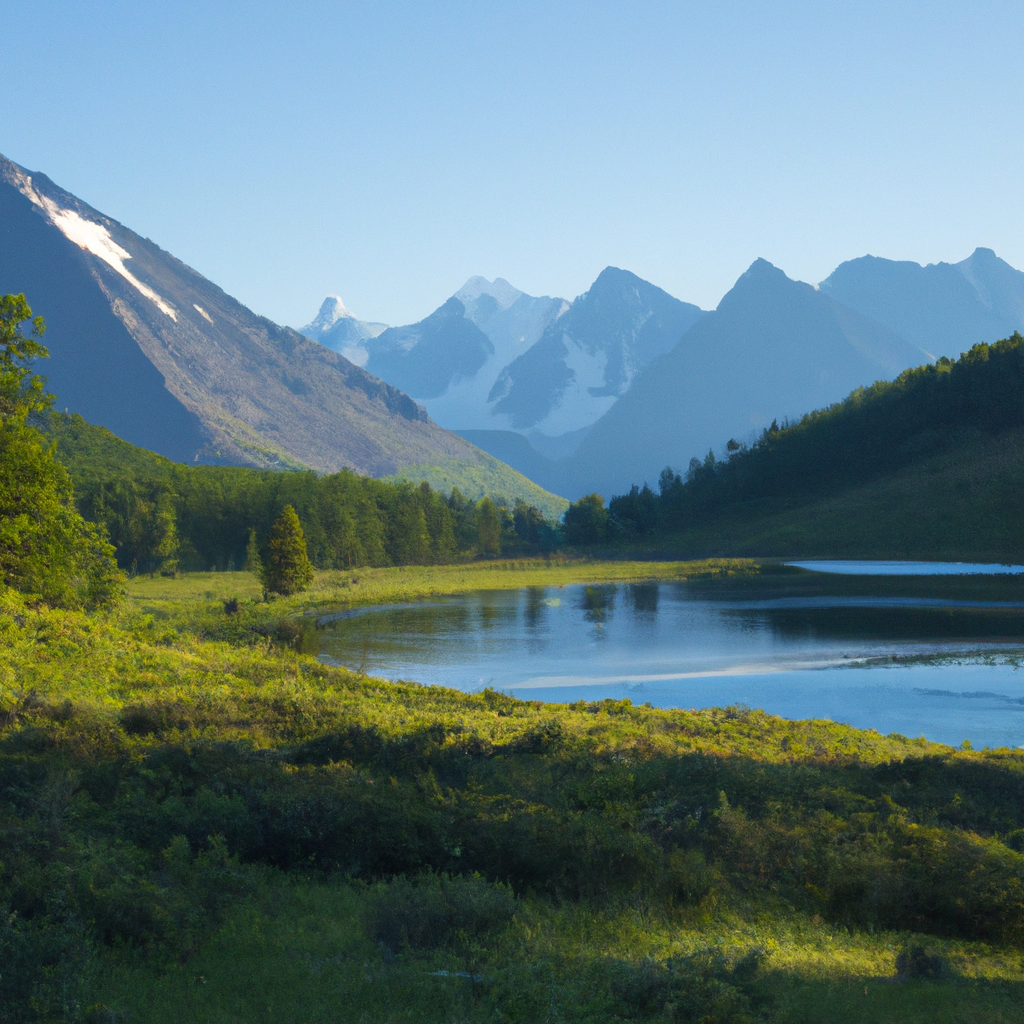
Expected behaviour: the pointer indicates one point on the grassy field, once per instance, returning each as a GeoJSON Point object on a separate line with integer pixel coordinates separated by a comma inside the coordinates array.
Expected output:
{"type": "Point", "coordinates": [226, 830]}
{"type": "Point", "coordinates": [297, 954]}
{"type": "Point", "coordinates": [378, 586]}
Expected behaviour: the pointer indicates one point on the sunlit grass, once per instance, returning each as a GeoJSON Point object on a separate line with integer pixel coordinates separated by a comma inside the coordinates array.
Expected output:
{"type": "Point", "coordinates": [297, 953]}
{"type": "Point", "coordinates": [294, 948]}
{"type": "Point", "coordinates": [380, 585]}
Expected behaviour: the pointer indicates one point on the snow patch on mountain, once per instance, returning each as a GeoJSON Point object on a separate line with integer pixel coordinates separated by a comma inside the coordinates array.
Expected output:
{"type": "Point", "coordinates": [578, 406]}
{"type": "Point", "coordinates": [94, 238]}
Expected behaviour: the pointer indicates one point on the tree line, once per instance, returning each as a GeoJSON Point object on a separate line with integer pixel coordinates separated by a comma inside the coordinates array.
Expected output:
{"type": "Point", "coordinates": [79, 506]}
{"type": "Point", "coordinates": [163, 516]}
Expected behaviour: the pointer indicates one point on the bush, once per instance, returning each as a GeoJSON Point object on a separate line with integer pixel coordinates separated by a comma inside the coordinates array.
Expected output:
{"type": "Point", "coordinates": [705, 986]}
{"type": "Point", "coordinates": [917, 962]}
{"type": "Point", "coordinates": [433, 911]}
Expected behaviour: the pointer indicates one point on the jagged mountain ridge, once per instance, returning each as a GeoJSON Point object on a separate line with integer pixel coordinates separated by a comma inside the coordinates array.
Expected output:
{"type": "Point", "coordinates": [773, 347]}
{"type": "Point", "coordinates": [449, 360]}
{"type": "Point", "coordinates": [587, 358]}
{"type": "Point", "coordinates": [493, 358]}
{"type": "Point", "coordinates": [943, 307]}
{"type": "Point", "coordinates": [425, 358]}
{"type": "Point", "coordinates": [142, 344]}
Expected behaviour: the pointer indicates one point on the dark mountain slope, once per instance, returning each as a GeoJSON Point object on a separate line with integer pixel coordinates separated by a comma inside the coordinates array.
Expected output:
{"type": "Point", "coordinates": [773, 347]}
{"type": "Point", "coordinates": [945, 308]}
{"type": "Point", "coordinates": [111, 381]}
{"type": "Point", "coordinates": [147, 347]}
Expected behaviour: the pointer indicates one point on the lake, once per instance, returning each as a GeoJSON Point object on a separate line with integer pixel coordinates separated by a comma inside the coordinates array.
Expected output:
{"type": "Point", "coordinates": [923, 651]}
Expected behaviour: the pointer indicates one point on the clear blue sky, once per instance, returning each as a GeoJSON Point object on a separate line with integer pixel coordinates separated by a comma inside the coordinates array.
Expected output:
{"type": "Point", "coordinates": [387, 151]}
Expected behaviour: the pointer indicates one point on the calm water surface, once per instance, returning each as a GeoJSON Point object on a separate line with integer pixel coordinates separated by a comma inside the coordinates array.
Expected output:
{"type": "Point", "coordinates": [930, 654]}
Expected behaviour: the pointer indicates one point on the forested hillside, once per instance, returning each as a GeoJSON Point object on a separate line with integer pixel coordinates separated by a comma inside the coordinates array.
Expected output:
{"type": "Point", "coordinates": [163, 515]}
{"type": "Point", "coordinates": [930, 464]}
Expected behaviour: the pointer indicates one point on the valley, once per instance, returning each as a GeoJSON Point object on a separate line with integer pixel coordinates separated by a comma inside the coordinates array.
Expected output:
{"type": "Point", "coordinates": [450, 773]}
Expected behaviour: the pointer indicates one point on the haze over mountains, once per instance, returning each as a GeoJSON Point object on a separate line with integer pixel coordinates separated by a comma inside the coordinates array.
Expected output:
{"type": "Point", "coordinates": [945, 308]}
{"type": "Point", "coordinates": [494, 358]}
{"type": "Point", "coordinates": [627, 379]}
{"type": "Point", "coordinates": [145, 346]}
{"type": "Point", "coordinates": [773, 347]}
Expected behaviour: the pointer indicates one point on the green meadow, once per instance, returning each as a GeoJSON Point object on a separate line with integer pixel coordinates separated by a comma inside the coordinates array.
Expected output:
{"type": "Point", "coordinates": [199, 821]}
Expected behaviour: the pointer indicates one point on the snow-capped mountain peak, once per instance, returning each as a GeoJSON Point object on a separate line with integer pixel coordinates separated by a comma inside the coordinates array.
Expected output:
{"type": "Point", "coordinates": [332, 309]}
{"type": "Point", "coordinates": [503, 293]}
{"type": "Point", "coordinates": [336, 328]}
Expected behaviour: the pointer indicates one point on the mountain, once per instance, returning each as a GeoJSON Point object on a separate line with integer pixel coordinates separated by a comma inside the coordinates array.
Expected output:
{"type": "Point", "coordinates": [493, 359]}
{"type": "Point", "coordinates": [945, 308]}
{"type": "Point", "coordinates": [146, 347]}
{"type": "Point", "coordinates": [425, 358]}
{"type": "Point", "coordinates": [772, 348]}
{"type": "Point", "coordinates": [450, 360]}
{"type": "Point", "coordinates": [588, 357]}
{"type": "Point", "coordinates": [335, 327]}
{"type": "Point", "coordinates": [512, 321]}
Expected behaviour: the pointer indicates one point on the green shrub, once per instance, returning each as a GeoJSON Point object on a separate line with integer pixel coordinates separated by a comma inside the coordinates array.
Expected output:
{"type": "Point", "coordinates": [705, 987]}
{"type": "Point", "coordinates": [915, 961]}
{"type": "Point", "coordinates": [431, 911]}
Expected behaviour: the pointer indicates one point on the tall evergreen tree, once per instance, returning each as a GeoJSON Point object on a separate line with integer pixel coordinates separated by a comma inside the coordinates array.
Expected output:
{"type": "Point", "coordinates": [287, 568]}
{"type": "Point", "coordinates": [46, 548]}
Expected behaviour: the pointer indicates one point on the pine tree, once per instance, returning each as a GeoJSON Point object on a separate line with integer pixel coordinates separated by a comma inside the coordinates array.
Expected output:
{"type": "Point", "coordinates": [253, 562]}
{"type": "Point", "coordinates": [46, 548]}
{"type": "Point", "coordinates": [287, 569]}
{"type": "Point", "coordinates": [165, 548]}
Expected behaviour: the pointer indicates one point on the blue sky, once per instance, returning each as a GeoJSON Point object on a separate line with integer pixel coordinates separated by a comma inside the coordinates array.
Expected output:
{"type": "Point", "coordinates": [388, 151]}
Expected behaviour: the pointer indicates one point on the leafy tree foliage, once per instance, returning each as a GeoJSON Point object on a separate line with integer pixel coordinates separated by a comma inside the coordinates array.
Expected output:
{"type": "Point", "coordinates": [586, 521]}
{"type": "Point", "coordinates": [287, 569]}
{"type": "Point", "coordinates": [488, 528]}
{"type": "Point", "coordinates": [46, 548]}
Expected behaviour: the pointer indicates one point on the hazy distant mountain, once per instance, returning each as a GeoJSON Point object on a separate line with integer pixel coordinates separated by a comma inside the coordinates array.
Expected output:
{"type": "Point", "coordinates": [450, 360]}
{"type": "Point", "coordinates": [512, 321]}
{"type": "Point", "coordinates": [424, 358]}
{"type": "Point", "coordinates": [335, 327]}
{"type": "Point", "coordinates": [773, 348]}
{"type": "Point", "coordinates": [945, 308]}
{"type": "Point", "coordinates": [145, 346]}
{"type": "Point", "coordinates": [587, 358]}
{"type": "Point", "coordinates": [495, 359]}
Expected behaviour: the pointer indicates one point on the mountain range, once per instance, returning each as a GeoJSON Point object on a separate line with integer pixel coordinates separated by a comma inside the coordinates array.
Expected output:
{"type": "Point", "coordinates": [626, 379]}
{"type": "Point", "coordinates": [582, 396]}
{"type": "Point", "coordinates": [772, 348]}
{"type": "Point", "coordinates": [945, 308]}
{"type": "Point", "coordinates": [145, 346]}
{"type": "Point", "coordinates": [493, 358]}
